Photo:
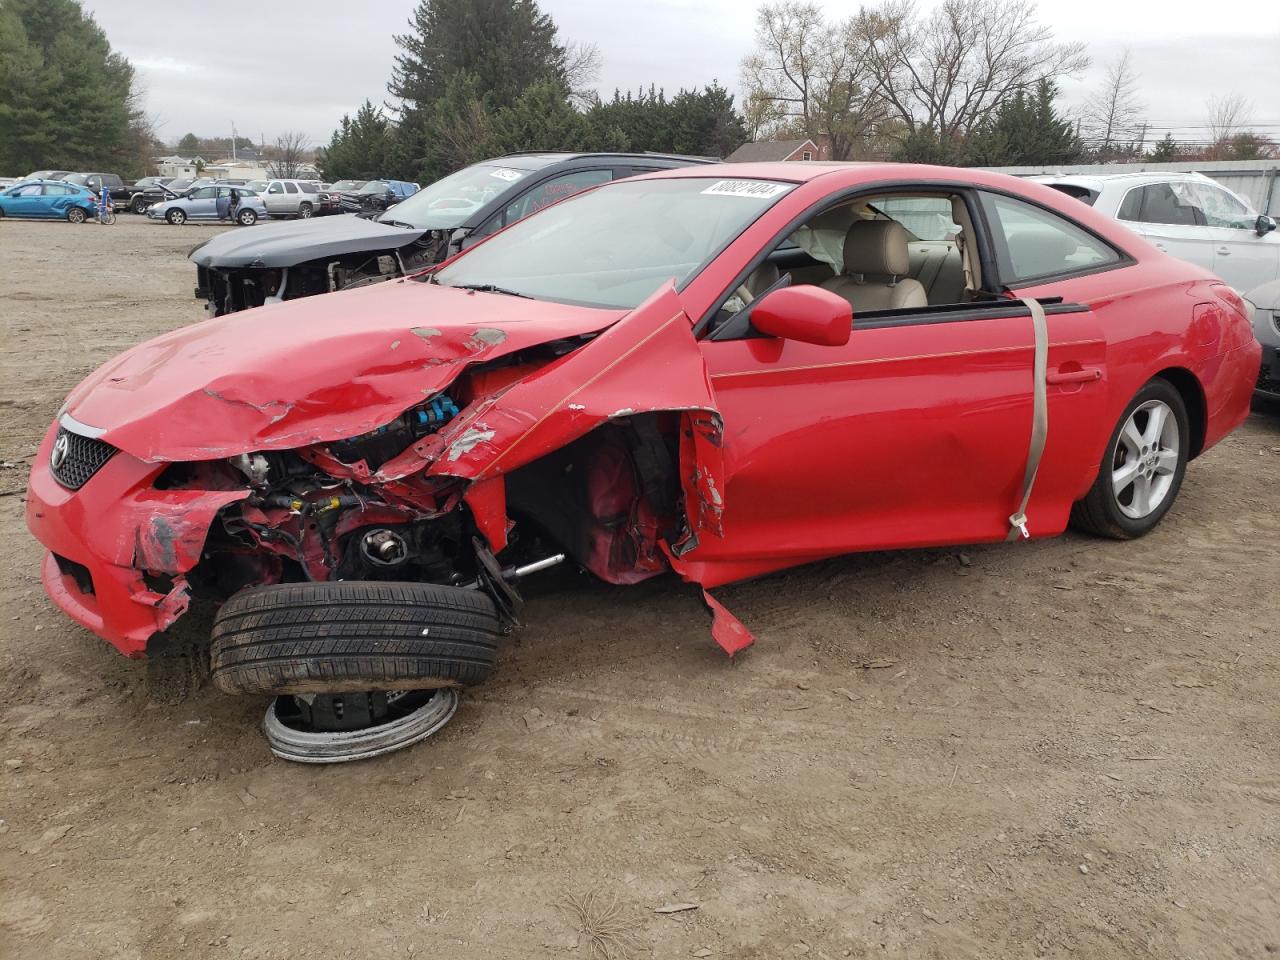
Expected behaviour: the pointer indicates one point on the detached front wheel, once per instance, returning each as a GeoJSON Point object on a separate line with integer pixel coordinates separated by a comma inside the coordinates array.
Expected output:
{"type": "Point", "coordinates": [1142, 472]}
{"type": "Point", "coordinates": [349, 636]}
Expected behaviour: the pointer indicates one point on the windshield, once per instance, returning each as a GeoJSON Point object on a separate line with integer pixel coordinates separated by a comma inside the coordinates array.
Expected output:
{"type": "Point", "coordinates": [613, 246]}
{"type": "Point", "coordinates": [374, 186]}
{"type": "Point", "coordinates": [447, 203]}
{"type": "Point", "coordinates": [257, 186]}
{"type": "Point", "coordinates": [348, 185]}
{"type": "Point", "coordinates": [79, 179]}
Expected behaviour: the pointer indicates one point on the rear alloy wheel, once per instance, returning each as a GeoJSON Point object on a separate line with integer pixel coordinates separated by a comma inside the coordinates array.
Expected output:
{"type": "Point", "coordinates": [1146, 460]}
{"type": "Point", "coordinates": [139, 205]}
{"type": "Point", "coordinates": [246, 218]}
{"type": "Point", "coordinates": [76, 215]}
{"type": "Point", "coordinates": [304, 211]}
{"type": "Point", "coordinates": [176, 217]}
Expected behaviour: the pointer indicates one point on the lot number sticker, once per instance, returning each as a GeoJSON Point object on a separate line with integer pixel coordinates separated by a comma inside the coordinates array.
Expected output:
{"type": "Point", "coordinates": [756, 189]}
{"type": "Point", "coordinates": [502, 173]}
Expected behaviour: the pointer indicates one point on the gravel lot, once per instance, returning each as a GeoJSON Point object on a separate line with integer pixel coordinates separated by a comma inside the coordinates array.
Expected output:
{"type": "Point", "coordinates": [1063, 748]}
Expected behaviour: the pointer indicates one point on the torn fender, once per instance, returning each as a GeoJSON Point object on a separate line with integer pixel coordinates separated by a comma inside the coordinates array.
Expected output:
{"type": "Point", "coordinates": [648, 362]}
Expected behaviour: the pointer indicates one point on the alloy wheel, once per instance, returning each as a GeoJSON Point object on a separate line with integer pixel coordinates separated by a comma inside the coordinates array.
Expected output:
{"type": "Point", "coordinates": [1145, 459]}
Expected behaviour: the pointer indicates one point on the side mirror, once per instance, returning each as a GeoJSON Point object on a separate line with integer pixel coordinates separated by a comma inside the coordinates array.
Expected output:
{"type": "Point", "coordinates": [804, 313]}
{"type": "Point", "coordinates": [1264, 225]}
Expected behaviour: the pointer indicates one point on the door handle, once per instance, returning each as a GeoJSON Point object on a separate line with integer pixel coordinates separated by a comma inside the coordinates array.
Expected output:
{"type": "Point", "coordinates": [1159, 245]}
{"type": "Point", "coordinates": [1224, 251]}
{"type": "Point", "coordinates": [1087, 375]}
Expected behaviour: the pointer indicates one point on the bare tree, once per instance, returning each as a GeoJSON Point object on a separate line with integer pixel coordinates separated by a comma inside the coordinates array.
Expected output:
{"type": "Point", "coordinates": [1227, 119]}
{"type": "Point", "coordinates": [1113, 114]}
{"type": "Point", "coordinates": [809, 77]}
{"type": "Point", "coordinates": [288, 155]}
{"type": "Point", "coordinates": [949, 71]}
{"type": "Point", "coordinates": [581, 71]}
{"type": "Point", "coordinates": [1227, 116]}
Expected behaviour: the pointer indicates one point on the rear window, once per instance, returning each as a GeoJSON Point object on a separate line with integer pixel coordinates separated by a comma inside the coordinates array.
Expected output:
{"type": "Point", "coordinates": [1083, 194]}
{"type": "Point", "coordinates": [1032, 242]}
{"type": "Point", "coordinates": [309, 187]}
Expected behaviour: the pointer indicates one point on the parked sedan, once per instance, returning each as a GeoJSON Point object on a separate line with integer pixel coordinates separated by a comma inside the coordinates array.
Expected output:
{"type": "Point", "coordinates": [211, 203]}
{"type": "Point", "coordinates": [332, 253]}
{"type": "Point", "coordinates": [49, 200]}
{"type": "Point", "coordinates": [720, 371]}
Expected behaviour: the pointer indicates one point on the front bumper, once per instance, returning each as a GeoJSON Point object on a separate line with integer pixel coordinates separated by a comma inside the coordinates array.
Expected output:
{"type": "Point", "coordinates": [118, 548]}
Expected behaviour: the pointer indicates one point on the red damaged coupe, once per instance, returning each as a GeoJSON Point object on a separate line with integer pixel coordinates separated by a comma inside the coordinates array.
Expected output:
{"type": "Point", "coordinates": [716, 370]}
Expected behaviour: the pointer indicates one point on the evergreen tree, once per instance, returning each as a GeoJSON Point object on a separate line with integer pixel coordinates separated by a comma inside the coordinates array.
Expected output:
{"type": "Point", "coordinates": [506, 45]}
{"type": "Point", "coordinates": [1165, 150]}
{"type": "Point", "coordinates": [66, 99]}
{"type": "Point", "coordinates": [189, 145]}
{"type": "Point", "coordinates": [359, 149]}
{"type": "Point", "coordinates": [924, 145]}
{"type": "Point", "coordinates": [1026, 130]}
{"type": "Point", "coordinates": [702, 123]}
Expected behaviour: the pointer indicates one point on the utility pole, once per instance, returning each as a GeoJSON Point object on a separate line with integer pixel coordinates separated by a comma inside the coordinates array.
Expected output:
{"type": "Point", "coordinates": [233, 140]}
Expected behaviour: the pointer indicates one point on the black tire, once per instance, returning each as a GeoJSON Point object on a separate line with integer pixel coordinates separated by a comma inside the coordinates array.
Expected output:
{"type": "Point", "coordinates": [305, 210]}
{"type": "Point", "coordinates": [139, 205]}
{"type": "Point", "coordinates": [246, 218]}
{"type": "Point", "coordinates": [336, 637]}
{"type": "Point", "coordinates": [76, 215]}
{"type": "Point", "coordinates": [1099, 512]}
{"type": "Point", "coordinates": [176, 217]}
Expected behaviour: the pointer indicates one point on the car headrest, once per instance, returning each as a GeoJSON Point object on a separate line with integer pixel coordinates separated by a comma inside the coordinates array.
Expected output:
{"type": "Point", "coordinates": [959, 215]}
{"type": "Point", "coordinates": [877, 247]}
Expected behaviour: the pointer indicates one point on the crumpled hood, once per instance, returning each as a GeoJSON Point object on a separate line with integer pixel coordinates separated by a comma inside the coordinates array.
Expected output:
{"type": "Point", "coordinates": [297, 241]}
{"type": "Point", "coordinates": [310, 370]}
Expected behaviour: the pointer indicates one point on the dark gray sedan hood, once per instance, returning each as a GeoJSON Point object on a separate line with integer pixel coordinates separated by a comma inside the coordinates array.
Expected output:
{"type": "Point", "coordinates": [297, 241]}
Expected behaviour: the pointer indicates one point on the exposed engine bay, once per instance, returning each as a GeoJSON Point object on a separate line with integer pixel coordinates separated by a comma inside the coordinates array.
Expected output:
{"type": "Point", "coordinates": [229, 289]}
{"type": "Point", "coordinates": [331, 512]}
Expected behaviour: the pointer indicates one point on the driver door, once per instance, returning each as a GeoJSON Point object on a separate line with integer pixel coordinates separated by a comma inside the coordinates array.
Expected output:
{"type": "Point", "coordinates": [200, 204]}
{"type": "Point", "coordinates": [914, 433]}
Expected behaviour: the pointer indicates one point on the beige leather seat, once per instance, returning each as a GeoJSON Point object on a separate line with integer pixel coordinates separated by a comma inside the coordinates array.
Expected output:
{"type": "Point", "coordinates": [876, 266]}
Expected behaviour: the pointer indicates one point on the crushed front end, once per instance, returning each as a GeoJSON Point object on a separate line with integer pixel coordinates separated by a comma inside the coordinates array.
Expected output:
{"type": "Point", "coordinates": [522, 442]}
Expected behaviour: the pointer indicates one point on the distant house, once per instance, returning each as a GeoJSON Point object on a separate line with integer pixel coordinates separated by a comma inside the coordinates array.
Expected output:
{"type": "Point", "coordinates": [176, 166]}
{"type": "Point", "coordinates": [772, 151]}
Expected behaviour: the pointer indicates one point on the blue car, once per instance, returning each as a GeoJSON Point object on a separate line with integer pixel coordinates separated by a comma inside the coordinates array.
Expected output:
{"type": "Point", "coordinates": [49, 200]}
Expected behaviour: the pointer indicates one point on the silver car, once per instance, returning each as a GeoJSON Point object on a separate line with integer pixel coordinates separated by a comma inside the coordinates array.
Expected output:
{"type": "Point", "coordinates": [211, 203]}
{"type": "Point", "coordinates": [1266, 327]}
{"type": "Point", "coordinates": [288, 198]}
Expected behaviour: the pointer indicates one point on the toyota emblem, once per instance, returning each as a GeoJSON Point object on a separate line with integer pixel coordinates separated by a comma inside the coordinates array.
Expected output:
{"type": "Point", "coordinates": [60, 447]}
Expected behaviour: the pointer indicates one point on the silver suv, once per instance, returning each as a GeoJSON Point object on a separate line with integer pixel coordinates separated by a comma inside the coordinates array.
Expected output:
{"type": "Point", "coordinates": [288, 198]}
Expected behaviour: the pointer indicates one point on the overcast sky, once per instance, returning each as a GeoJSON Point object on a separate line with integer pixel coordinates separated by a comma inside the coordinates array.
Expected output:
{"type": "Point", "coordinates": [269, 70]}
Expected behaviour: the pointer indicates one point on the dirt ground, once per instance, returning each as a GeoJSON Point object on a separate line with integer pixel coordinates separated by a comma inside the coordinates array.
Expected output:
{"type": "Point", "coordinates": [1063, 748]}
